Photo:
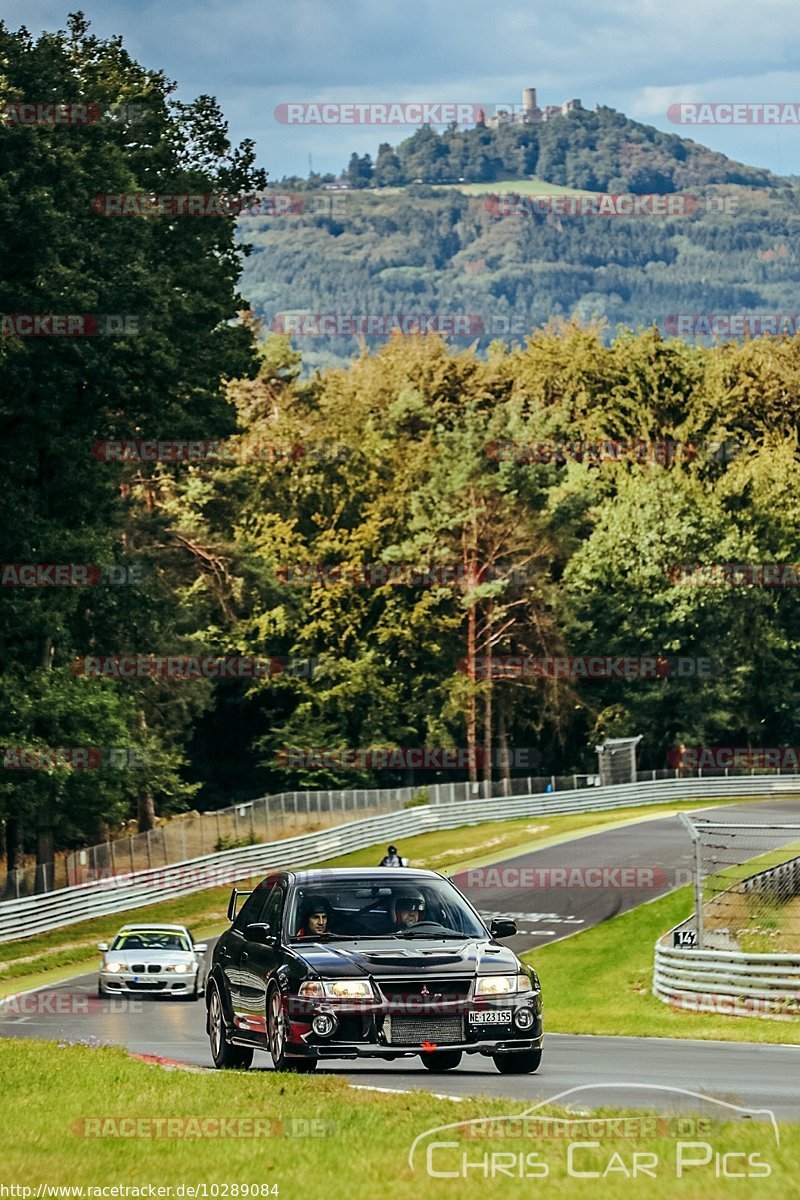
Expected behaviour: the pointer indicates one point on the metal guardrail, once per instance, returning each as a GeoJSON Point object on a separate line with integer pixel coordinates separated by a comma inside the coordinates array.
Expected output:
{"type": "Point", "coordinates": [727, 981]}
{"type": "Point", "coordinates": [67, 906]}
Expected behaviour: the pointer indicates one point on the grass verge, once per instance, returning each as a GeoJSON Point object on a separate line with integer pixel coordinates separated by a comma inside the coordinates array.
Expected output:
{"type": "Point", "coordinates": [50, 957]}
{"type": "Point", "coordinates": [599, 982]}
{"type": "Point", "coordinates": [362, 1143]}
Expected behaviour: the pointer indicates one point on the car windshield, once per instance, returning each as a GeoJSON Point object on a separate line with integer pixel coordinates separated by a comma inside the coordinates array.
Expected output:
{"type": "Point", "coordinates": [150, 939]}
{"type": "Point", "coordinates": [374, 908]}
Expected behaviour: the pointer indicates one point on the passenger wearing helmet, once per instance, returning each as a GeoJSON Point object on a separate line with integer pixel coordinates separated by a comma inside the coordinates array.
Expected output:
{"type": "Point", "coordinates": [409, 910]}
{"type": "Point", "coordinates": [391, 858]}
{"type": "Point", "coordinates": [316, 918]}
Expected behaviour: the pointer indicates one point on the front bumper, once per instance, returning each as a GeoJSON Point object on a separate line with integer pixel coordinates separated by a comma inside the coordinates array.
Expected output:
{"type": "Point", "coordinates": [379, 1029]}
{"type": "Point", "coordinates": [126, 983]}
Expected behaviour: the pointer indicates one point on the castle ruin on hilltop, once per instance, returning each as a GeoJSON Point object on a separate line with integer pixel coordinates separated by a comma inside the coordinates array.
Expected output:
{"type": "Point", "coordinates": [529, 113]}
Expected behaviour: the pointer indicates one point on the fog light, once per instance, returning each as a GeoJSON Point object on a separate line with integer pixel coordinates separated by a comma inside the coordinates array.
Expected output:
{"type": "Point", "coordinates": [523, 1018]}
{"type": "Point", "coordinates": [324, 1024]}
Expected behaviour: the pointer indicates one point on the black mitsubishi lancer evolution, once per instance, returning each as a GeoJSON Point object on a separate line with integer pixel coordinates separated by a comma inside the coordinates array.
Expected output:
{"type": "Point", "coordinates": [364, 963]}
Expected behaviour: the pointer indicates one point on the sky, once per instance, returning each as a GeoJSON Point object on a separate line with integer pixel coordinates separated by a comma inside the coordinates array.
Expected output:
{"type": "Point", "coordinates": [638, 56]}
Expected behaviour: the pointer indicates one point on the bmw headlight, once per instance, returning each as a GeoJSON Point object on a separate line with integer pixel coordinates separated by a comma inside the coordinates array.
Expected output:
{"type": "Point", "coordinates": [113, 967]}
{"type": "Point", "coordinates": [179, 968]}
{"type": "Point", "coordinates": [336, 989]}
{"type": "Point", "coordinates": [501, 985]}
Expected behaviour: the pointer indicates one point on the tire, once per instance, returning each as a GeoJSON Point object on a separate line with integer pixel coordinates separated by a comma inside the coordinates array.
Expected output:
{"type": "Point", "coordinates": [226, 1057]}
{"type": "Point", "coordinates": [195, 995]}
{"type": "Point", "coordinates": [441, 1060]}
{"type": "Point", "coordinates": [100, 991]}
{"type": "Point", "coordinates": [518, 1062]}
{"type": "Point", "coordinates": [276, 1037]}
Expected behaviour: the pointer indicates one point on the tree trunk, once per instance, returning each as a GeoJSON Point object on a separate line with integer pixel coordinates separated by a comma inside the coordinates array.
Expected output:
{"type": "Point", "coordinates": [472, 717]}
{"type": "Point", "coordinates": [12, 851]}
{"type": "Point", "coordinates": [502, 740]}
{"type": "Point", "coordinates": [488, 706]}
{"type": "Point", "coordinates": [145, 806]}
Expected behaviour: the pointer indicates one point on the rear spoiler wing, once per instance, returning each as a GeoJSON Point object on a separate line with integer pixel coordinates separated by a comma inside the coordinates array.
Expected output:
{"type": "Point", "coordinates": [235, 894]}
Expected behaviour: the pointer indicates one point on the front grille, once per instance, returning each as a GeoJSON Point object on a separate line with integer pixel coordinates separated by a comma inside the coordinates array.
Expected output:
{"type": "Point", "coordinates": [411, 1031]}
{"type": "Point", "coordinates": [154, 969]}
{"type": "Point", "coordinates": [139, 967]}
{"type": "Point", "coordinates": [407, 989]}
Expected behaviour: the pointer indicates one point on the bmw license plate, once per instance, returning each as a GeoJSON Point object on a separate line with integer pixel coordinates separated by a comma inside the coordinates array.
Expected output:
{"type": "Point", "coordinates": [492, 1016]}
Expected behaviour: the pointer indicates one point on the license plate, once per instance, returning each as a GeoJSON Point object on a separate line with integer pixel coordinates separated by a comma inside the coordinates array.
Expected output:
{"type": "Point", "coordinates": [492, 1016]}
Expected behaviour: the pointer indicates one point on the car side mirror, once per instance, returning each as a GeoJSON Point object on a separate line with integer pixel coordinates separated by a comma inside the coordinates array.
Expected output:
{"type": "Point", "coordinates": [502, 927]}
{"type": "Point", "coordinates": [261, 933]}
{"type": "Point", "coordinates": [102, 945]}
{"type": "Point", "coordinates": [200, 947]}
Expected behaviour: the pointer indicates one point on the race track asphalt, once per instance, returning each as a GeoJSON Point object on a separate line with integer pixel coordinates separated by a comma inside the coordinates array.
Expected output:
{"type": "Point", "coordinates": [609, 1070]}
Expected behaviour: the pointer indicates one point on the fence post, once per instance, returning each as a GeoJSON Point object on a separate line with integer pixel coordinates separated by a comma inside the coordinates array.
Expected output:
{"type": "Point", "coordinates": [149, 850]}
{"type": "Point", "coordinates": [164, 842]}
{"type": "Point", "coordinates": [183, 839]}
{"type": "Point", "coordinates": [252, 822]}
{"type": "Point", "coordinates": [553, 782]}
{"type": "Point", "coordinates": [268, 822]}
{"type": "Point", "coordinates": [130, 849]}
{"type": "Point", "coordinates": [113, 856]}
{"type": "Point", "coordinates": [698, 883]}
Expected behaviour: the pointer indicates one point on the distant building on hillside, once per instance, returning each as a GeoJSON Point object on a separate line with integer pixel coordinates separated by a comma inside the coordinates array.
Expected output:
{"type": "Point", "coordinates": [529, 113]}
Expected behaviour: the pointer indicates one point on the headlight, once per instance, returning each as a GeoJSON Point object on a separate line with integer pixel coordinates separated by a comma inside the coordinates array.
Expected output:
{"type": "Point", "coordinates": [350, 989]}
{"type": "Point", "coordinates": [113, 967]}
{"type": "Point", "coordinates": [501, 985]}
{"type": "Point", "coordinates": [337, 989]}
{"type": "Point", "coordinates": [179, 968]}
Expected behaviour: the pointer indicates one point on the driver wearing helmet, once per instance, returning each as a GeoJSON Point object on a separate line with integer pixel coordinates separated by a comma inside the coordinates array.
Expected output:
{"type": "Point", "coordinates": [391, 858]}
{"type": "Point", "coordinates": [409, 910]}
{"type": "Point", "coordinates": [316, 918]}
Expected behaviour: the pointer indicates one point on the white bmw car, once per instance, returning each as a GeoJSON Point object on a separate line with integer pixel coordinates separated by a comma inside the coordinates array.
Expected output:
{"type": "Point", "coordinates": [161, 959]}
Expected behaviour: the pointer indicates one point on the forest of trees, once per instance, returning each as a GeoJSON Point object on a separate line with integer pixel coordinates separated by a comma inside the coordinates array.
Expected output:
{"type": "Point", "coordinates": [389, 461]}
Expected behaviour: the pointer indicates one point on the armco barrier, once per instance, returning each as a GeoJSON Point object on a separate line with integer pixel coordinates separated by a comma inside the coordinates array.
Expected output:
{"type": "Point", "coordinates": [38, 914]}
{"type": "Point", "coordinates": [727, 981]}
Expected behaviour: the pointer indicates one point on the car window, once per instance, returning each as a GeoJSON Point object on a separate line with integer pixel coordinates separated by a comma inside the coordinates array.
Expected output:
{"type": "Point", "coordinates": [252, 908]}
{"type": "Point", "coordinates": [150, 940]}
{"type": "Point", "coordinates": [273, 909]}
